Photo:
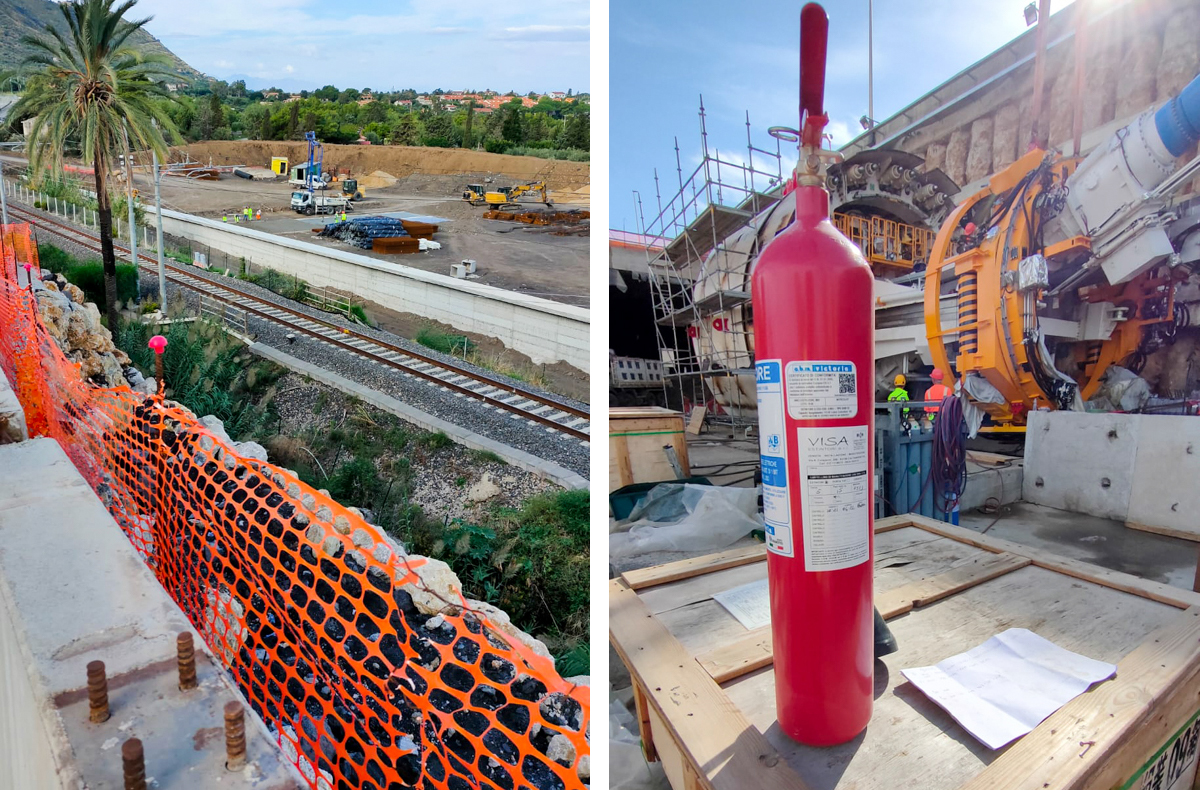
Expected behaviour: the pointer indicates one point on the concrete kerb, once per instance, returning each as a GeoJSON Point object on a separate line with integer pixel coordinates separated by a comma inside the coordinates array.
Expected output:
{"type": "Point", "coordinates": [549, 470]}
{"type": "Point", "coordinates": [545, 330]}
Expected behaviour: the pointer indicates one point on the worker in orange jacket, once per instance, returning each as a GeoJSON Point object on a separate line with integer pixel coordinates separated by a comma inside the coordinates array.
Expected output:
{"type": "Point", "coordinates": [936, 393]}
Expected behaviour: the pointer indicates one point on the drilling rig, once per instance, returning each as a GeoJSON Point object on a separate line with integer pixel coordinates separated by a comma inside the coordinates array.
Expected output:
{"type": "Point", "coordinates": [1064, 267]}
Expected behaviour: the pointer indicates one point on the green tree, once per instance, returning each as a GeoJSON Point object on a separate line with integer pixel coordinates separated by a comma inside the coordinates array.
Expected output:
{"type": "Point", "coordinates": [238, 89]}
{"type": "Point", "coordinates": [512, 129]}
{"type": "Point", "coordinates": [216, 112]}
{"type": "Point", "coordinates": [439, 131]}
{"type": "Point", "coordinates": [293, 122]}
{"type": "Point", "coordinates": [83, 88]}
{"type": "Point", "coordinates": [408, 131]}
{"type": "Point", "coordinates": [576, 133]}
{"type": "Point", "coordinates": [328, 93]}
{"type": "Point", "coordinates": [466, 143]}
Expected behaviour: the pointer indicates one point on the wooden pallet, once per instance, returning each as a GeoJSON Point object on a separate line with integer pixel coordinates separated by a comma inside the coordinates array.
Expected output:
{"type": "Point", "coordinates": [705, 686]}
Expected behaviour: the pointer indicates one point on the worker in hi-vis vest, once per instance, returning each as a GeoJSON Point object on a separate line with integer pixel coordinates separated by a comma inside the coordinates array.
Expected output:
{"type": "Point", "coordinates": [899, 393]}
{"type": "Point", "coordinates": [936, 393]}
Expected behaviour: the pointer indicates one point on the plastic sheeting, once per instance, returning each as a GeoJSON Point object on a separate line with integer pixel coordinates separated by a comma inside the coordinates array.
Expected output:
{"type": "Point", "coordinates": [1122, 390]}
{"type": "Point", "coordinates": [627, 766]}
{"type": "Point", "coordinates": [684, 517]}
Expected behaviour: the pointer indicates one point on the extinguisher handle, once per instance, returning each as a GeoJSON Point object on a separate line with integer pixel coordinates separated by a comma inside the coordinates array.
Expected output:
{"type": "Point", "coordinates": [814, 40]}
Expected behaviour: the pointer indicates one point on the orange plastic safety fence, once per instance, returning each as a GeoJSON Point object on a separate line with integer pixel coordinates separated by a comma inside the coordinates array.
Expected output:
{"type": "Point", "coordinates": [310, 608]}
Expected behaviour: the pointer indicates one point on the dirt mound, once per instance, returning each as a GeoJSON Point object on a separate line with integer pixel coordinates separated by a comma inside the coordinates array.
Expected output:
{"type": "Point", "coordinates": [399, 160]}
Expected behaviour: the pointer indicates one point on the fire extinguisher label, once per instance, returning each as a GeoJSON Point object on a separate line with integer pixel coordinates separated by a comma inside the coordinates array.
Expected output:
{"type": "Point", "coordinates": [772, 443]}
{"type": "Point", "coordinates": [822, 390]}
{"type": "Point", "coordinates": [835, 496]}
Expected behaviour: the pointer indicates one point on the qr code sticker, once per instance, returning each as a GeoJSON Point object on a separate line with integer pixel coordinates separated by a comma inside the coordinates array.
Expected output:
{"type": "Point", "coordinates": [845, 383]}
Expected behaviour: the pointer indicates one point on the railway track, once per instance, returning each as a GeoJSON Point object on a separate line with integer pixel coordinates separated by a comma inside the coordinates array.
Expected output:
{"type": "Point", "coordinates": [519, 403]}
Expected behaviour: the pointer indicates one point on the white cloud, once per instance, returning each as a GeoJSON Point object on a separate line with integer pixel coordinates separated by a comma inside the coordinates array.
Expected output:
{"type": "Point", "coordinates": [290, 69]}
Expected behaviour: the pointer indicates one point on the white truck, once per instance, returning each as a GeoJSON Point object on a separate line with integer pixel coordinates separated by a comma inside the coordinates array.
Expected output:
{"type": "Point", "coordinates": [305, 202]}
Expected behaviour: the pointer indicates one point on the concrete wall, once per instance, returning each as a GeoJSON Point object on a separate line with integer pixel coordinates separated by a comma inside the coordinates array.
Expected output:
{"type": "Point", "coordinates": [1137, 53]}
{"type": "Point", "coordinates": [74, 590]}
{"type": "Point", "coordinates": [1136, 468]}
{"type": "Point", "coordinates": [546, 331]}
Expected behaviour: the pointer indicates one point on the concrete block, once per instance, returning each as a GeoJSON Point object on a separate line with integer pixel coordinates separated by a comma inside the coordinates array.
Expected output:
{"type": "Point", "coordinates": [1165, 494]}
{"type": "Point", "coordinates": [1081, 462]}
{"type": "Point", "coordinates": [74, 590]}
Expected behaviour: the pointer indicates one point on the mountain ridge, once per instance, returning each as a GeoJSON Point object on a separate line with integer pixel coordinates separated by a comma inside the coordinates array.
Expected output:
{"type": "Point", "coordinates": [19, 18]}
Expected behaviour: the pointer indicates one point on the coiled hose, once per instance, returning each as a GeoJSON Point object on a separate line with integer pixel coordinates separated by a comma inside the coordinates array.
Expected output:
{"type": "Point", "coordinates": [949, 472]}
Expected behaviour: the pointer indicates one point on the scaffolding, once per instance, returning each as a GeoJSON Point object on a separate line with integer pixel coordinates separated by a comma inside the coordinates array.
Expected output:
{"type": "Point", "coordinates": [699, 342]}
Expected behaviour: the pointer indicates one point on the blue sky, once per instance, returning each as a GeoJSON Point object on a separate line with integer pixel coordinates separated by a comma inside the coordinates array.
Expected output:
{"type": "Point", "coordinates": [531, 45]}
{"type": "Point", "coordinates": [743, 57]}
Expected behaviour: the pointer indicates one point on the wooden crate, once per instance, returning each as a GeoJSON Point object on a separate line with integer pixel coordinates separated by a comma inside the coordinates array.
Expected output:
{"type": "Point", "coordinates": [636, 438]}
{"type": "Point", "coordinates": [705, 687]}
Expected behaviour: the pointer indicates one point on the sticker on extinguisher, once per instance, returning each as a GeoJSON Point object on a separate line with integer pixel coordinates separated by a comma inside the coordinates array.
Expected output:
{"type": "Point", "coordinates": [822, 390]}
{"type": "Point", "coordinates": [835, 496]}
{"type": "Point", "coordinates": [772, 444]}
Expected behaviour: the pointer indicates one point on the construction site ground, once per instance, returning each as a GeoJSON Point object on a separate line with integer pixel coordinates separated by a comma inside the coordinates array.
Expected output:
{"type": "Point", "coordinates": [509, 255]}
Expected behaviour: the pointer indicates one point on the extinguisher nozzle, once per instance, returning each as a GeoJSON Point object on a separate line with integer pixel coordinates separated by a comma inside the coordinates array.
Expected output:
{"type": "Point", "coordinates": [885, 643]}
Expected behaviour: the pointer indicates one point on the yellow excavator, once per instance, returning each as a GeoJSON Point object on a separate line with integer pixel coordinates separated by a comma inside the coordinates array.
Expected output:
{"type": "Point", "coordinates": [505, 197]}
{"type": "Point", "coordinates": [1064, 267]}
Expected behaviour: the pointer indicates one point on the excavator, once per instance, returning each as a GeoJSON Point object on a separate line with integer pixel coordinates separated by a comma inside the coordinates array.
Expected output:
{"type": "Point", "coordinates": [1064, 268]}
{"type": "Point", "coordinates": [505, 197]}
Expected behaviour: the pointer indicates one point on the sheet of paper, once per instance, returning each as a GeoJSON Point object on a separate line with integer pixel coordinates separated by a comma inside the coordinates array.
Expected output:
{"type": "Point", "coordinates": [1005, 687]}
{"type": "Point", "coordinates": [750, 603]}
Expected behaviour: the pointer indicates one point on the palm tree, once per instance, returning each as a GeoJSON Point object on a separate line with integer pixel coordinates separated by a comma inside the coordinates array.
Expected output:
{"type": "Point", "coordinates": [83, 88]}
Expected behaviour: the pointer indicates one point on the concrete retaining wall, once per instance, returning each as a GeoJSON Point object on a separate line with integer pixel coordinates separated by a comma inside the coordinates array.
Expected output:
{"type": "Point", "coordinates": [1137, 468]}
{"type": "Point", "coordinates": [546, 331]}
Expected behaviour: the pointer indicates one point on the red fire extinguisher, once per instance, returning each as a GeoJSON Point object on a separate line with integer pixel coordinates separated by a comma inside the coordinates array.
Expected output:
{"type": "Point", "coordinates": [814, 328]}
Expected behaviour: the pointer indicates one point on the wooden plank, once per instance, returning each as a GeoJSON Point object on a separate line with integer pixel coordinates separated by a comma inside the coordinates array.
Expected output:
{"type": "Point", "coordinates": [925, 591]}
{"type": "Point", "coordinates": [713, 735]}
{"type": "Point", "coordinates": [696, 420]}
{"type": "Point", "coordinates": [643, 715]}
{"type": "Point", "coordinates": [685, 569]}
{"type": "Point", "coordinates": [1155, 591]}
{"type": "Point", "coordinates": [1099, 738]}
{"type": "Point", "coordinates": [1168, 531]}
{"type": "Point", "coordinates": [756, 650]}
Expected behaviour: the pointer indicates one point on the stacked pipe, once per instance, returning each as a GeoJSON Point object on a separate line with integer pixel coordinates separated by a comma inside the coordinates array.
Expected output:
{"type": "Point", "coordinates": [362, 231]}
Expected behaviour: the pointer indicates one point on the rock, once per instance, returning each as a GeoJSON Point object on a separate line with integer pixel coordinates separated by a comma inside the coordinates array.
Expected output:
{"type": "Point", "coordinates": [561, 750]}
{"type": "Point", "coordinates": [148, 386]}
{"type": "Point", "coordinates": [74, 293]}
{"type": "Point", "coordinates": [483, 490]}
{"type": "Point", "coordinates": [46, 274]}
{"type": "Point", "coordinates": [252, 450]}
{"type": "Point", "coordinates": [216, 428]}
{"type": "Point", "coordinates": [499, 620]}
{"type": "Point", "coordinates": [50, 285]}
{"type": "Point", "coordinates": [122, 357]}
{"type": "Point", "coordinates": [133, 376]}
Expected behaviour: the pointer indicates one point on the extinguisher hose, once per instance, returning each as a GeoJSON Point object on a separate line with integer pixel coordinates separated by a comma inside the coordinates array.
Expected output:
{"type": "Point", "coordinates": [949, 472]}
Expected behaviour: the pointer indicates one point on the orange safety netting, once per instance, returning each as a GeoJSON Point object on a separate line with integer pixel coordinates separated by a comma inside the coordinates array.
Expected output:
{"type": "Point", "coordinates": [309, 608]}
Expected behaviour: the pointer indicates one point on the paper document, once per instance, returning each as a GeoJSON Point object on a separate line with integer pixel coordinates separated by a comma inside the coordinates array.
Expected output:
{"type": "Point", "coordinates": [750, 603]}
{"type": "Point", "coordinates": [1005, 687]}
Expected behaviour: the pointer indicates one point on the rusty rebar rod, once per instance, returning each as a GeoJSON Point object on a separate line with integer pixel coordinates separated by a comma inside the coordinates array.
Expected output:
{"type": "Point", "coordinates": [97, 684]}
{"type": "Point", "coordinates": [186, 653]}
{"type": "Point", "coordinates": [235, 736]}
{"type": "Point", "coordinates": [134, 763]}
